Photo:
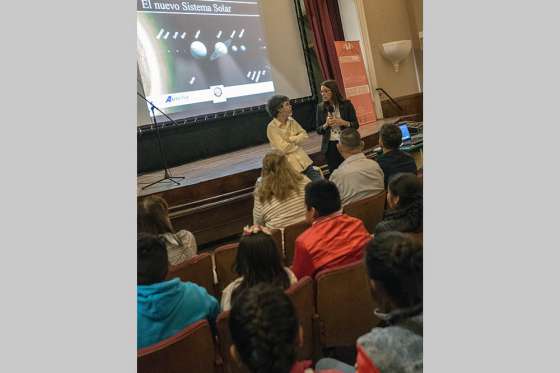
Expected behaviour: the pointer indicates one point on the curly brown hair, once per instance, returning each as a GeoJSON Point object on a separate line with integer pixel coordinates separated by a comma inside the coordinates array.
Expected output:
{"type": "Point", "coordinates": [279, 179]}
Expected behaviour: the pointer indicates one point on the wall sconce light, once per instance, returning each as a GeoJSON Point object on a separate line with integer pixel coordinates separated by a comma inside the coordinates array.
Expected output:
{"type": "Point", "coordinates": [396, 51]}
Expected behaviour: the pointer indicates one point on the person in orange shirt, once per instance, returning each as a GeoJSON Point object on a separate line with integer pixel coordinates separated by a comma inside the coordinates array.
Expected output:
{"type": "Point", "coordinates": [334, 239]}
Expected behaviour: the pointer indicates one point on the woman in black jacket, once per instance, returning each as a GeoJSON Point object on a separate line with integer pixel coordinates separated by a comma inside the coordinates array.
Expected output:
{"type": "Point", "coordinates": [334, 114]}
{"type": "Point", "coordinates": [404, 200]}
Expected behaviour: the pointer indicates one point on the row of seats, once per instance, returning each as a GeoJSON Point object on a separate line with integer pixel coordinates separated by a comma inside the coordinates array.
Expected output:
{"type": "Point", "coordinates": [329, 314]}
{"type": "Point", "coordinates": [200, 269]}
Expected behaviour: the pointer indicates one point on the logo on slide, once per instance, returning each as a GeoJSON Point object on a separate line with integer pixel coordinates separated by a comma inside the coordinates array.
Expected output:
{"type": "Point", "coordinates": [176, 99]}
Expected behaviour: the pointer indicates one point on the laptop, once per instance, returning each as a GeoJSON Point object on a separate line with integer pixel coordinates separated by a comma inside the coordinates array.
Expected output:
{"type": "Point", "coordinates": [406, 139]}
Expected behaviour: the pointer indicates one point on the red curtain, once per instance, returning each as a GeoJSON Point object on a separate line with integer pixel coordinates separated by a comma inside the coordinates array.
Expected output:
{"type": "Point", "coordinates": [326, 24]}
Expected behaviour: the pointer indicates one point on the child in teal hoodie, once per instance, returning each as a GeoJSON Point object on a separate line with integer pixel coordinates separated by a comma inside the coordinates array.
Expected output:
{"type": "Point", "coordinates": [166, 307]}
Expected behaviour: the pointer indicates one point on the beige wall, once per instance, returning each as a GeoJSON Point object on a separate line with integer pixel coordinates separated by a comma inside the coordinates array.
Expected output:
{"type": "Point", "coordinates": [414, 8]}
{"type": "Point", "coordinates": [415, 16]}
{"type": "Point", "coordinates": [387, 21]}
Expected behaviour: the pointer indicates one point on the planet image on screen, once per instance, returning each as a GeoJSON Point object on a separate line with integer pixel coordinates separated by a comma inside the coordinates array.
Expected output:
{"type": "Point", "coordinates": [198, 49]}
{"type": "Point", "coordinates": [220, 49]}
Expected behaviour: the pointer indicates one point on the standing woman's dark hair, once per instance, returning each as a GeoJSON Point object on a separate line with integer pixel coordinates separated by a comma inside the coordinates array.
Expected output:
{"type": "Point", "coordinates": [337, 97]}
{"type": "Point", "coordinates": [394, 262]}
{"type": "Point", "coordinates": [258, 260]}
{"type": "Point", "coordinates": [264, 329]}
{"type": "Point", "coordinates": [333, 115]}
{"type": "Point", "coordinates": [405, 202]}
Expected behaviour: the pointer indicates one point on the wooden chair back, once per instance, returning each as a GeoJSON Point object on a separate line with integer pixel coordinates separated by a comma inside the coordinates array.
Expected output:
{"type": "Point", "coordinates": [198, 269]}
{"type": "Point", "coordinates": [302, 296]}
{"type": "Point", "coordinates": [224, 260]}
{"type": "Point", "coordinates": [291, 232]}
{"type": "Point", "coordinates": [225, 342]}
{"type": "Point", "coordinates": [369, 210]}
{"type": "Point", "coordinates": [344, 304]}
{"type": "Point", "coordinates": [278, 237]}
{"type": "Point", "coordinates": [191, 350]}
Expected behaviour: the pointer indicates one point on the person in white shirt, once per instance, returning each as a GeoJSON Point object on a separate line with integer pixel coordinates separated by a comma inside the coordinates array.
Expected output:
{"type": "Point", "coordinates": [357, 177]}
{"type": "Point", "coordinates": [286, 135]}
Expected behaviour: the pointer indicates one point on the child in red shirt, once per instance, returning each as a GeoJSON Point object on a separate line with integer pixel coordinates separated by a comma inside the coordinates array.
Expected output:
{"type": "Point", "coordinates": [334, 239]}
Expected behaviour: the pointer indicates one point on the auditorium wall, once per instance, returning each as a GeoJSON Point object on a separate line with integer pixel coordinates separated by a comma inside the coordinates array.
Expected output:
{"type": "Point", "coordinates": [387, 21]}
{"type": "Point", "coordinates": [416, 18]}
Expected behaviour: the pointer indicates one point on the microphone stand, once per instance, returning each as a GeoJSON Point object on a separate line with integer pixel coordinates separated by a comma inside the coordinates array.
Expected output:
{"type": "Point", "coordinates": [166, 174]}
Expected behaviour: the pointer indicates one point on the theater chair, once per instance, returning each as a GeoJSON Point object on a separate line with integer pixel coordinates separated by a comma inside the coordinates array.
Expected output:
{"type": "Point", "coordinates": [344, 305]}
{"type": "Point", "coordinates": [291, 232]}
{"type": "Point", "coordinates": [198, 269]}
{"type": "Point", "coordinates": [191, 350]}
{"type": "Point", "coordinates": [225, 342]}
{"type": "Point", "coordinates": [302, 296]}
{"type": "Point", "coordinates": [369, 210]}
{"type": "Point", "coordinates": [418, 237]}
{"type": "Point", "coordinates": [278, 237]}
{"type": "Point", "coordinates": [224, 259]}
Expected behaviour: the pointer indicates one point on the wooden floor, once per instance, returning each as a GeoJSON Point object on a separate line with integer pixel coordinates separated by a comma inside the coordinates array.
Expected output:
{"type": "Point", "coordinates": [233, 163]}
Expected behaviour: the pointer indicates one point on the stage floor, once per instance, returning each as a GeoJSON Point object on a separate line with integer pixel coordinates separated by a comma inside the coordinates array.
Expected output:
{"type": "Point", "coordinates": [233, 163]}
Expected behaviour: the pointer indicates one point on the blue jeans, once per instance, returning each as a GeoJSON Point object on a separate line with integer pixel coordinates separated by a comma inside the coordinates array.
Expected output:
{"type": "Point", "coordinates": [312, 173]}
{"type": "Point", "coordinates": [330, 363]}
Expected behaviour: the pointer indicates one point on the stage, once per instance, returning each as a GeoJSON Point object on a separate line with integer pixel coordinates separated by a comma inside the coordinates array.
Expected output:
{"type": "Point", "coordinates": [215, 200]}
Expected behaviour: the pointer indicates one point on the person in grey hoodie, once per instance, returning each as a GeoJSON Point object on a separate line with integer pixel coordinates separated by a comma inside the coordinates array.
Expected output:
{"type": "Point", "coordinates": [394, 264]}
{"type": "Point", "coordinates": [166, 307]}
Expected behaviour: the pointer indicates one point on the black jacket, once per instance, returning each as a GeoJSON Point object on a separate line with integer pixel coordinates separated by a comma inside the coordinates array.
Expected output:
{"type": "Point", "coordinates": [408, 219]}
{"type": "Point", "coordinates": [347, 112]}
{"type": "Point", "coordinates": [394, 162]}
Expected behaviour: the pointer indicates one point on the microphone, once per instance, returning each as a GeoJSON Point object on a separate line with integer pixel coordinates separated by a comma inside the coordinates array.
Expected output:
{"type": "Point", "coordinates": [330, 108]}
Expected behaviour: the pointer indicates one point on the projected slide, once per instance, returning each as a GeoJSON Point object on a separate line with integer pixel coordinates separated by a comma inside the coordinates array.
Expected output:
{"type": "Point", "coordinates": [202, 57]}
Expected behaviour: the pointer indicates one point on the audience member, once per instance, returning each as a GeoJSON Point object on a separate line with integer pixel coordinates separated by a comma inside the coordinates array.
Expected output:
{"type": "Point", "coordinates": [334, 238]}
{"type": "Point", "coordinates": [153, 217]}
{"type": "Point", "coordinates": [279, 193]}
{"type": "Point", "coordinates": [394, 265]}
{"type": "Point", "coordinates": [404, 202]}
{"type": "Point", "coordinates": [258, 260]}
{"type": "Point", "coordinates": [393, 160]}
{"type": "Point", "coordinates": [265, 331]}
{"type": "Point", "coordinates": [357, 177]}
{"type": "Point", "coordinates": [165, 307]}
{"type": "Point", "coordinates": [285, 134]}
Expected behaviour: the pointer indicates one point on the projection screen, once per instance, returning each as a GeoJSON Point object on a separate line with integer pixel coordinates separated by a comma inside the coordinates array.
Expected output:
{"type": "Point", "coordinates": [202, 57]}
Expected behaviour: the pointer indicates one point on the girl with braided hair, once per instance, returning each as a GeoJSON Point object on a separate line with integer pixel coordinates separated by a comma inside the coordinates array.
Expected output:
{"type": "Point", "coordinates": [404, 201]}
{"type": "Point", "coordinates": [265, 331]}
